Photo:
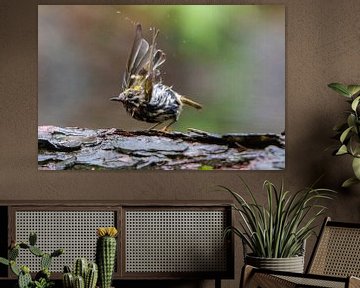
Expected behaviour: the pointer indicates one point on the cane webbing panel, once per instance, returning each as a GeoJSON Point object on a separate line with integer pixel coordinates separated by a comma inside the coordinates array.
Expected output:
{"type": "Point", "coordinates": [175, 241]}
{"type": "Point", "coordinates": [267, 280]}
{"type": "Point", "coordinates": [74, 231]}
{"type": "Point", "coordinates": [338, 252]}
{"type": "Point", "coordinates": [313, 282]}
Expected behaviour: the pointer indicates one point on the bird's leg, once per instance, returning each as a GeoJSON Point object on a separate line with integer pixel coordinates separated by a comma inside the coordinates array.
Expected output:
{"type": "Point", "coordinates": [152, 127]}
{"type": "Point", "coordinates": [165, 129]}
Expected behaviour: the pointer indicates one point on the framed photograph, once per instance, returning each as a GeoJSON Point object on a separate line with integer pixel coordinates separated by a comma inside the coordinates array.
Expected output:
{"type": "Point", "coordinates": [163, 87]}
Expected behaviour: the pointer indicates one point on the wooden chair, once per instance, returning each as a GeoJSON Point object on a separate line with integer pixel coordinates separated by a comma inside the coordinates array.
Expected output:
{"type": "Point", "coordinates": [334, 263]}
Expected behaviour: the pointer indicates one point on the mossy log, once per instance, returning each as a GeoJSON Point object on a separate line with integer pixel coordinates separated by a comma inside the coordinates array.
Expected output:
{"type": "Point", "coordinates": [65, 148]}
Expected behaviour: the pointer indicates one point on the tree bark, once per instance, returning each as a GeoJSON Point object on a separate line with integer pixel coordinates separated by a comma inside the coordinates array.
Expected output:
{"type": "Point", "coordinates": [61, 148]}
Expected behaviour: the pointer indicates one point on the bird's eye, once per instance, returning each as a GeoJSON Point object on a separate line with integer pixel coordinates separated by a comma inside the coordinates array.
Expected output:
{"type": "Point", "coordinates": [130, 95]}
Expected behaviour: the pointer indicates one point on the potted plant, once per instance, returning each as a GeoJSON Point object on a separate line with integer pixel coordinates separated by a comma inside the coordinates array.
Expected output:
{"type": "Point", "coordinates": [42, 278]}
{"type": "Point", "coordinates": [348, 133]}
{"type": "Point", "coordinates": [276, 233]}
{"type": "Point", "coordinates": [84, 274]}
{"type": "Point", "coordinates": [87, 274]}
{"type": "Point", "coordinates": [106, 254]}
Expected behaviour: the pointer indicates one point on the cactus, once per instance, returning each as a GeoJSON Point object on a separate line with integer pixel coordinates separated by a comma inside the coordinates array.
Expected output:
{"type": "Point", "coordinates": [44, 273]}
{"type": "Point", "coordinates": [24, 277]}
{"type": "Point", "coordinates": [36, 251]}
{"type": "Point", "coordinates": [45, 261]}
{"type": "Point", "coordinates": [4, 261]}
{"type": "Point", "coordinates": [105, 254]}
{"type": "Point", "coordinates": [57, 253]}
{"type": "Point", "coordinates": [67, 269]}
{"type": "Point", "coordinates": [32, 238]}
{"type": "Point", "coordinates": [80, 267]}
{"type": "Point", "coordinates": [68, 280]}
{"type": "Point", "coordinates": [42, 278]}
{"type": "Point", "coordinates": [89, 272]}
{"type": "Point", "coordinates": [79, 282]}
{"type": "Point", "coordinates": [24, 245]}
{"type": "Point", "coordinates": [14, 268]}
{"type": "Point", "coordinates": [13, 253]}
{"type": "Point", "coordinates": [91, 276]}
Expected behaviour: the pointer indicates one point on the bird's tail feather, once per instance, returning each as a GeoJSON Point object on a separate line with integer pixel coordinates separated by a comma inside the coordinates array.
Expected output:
{"type": "Point", "coordinates": [190, 102]}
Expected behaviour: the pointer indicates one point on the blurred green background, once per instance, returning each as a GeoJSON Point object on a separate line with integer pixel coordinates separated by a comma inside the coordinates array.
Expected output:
{"type": "Point", "coordinates": [230, 58]}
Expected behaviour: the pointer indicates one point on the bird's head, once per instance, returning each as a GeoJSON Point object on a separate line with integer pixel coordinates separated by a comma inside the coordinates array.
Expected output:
{"type": "Point", "coordinates": [121, 98]}
{"type": "Point", "coordinates": [130, 95]}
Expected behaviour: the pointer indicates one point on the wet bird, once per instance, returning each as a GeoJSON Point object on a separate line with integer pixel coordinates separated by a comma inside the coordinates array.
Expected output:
{"type": "Point", "coordinates": [143, 95]}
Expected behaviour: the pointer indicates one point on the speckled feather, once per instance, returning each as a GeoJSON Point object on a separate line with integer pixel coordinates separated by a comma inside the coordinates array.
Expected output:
{"type": "Point", "coordinates": [144, 96]}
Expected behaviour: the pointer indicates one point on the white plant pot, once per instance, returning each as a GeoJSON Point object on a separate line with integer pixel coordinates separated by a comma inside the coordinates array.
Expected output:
{"type": "Point", "coordinates": [291, 264]}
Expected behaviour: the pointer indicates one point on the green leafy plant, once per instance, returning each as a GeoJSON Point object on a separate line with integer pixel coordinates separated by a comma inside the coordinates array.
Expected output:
{"type": "Point", "coordinates": [43, 283]}
{"type": "Point", "coordinates": [279, 229]}
{"type": "Point", "coordinates": [42, 278]}
{"type": "Point", "coordinates": [349, 132]}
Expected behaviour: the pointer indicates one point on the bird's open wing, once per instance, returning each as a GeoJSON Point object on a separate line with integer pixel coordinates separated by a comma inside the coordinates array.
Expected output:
{"type": "Point", "coordinates": [144, 63]}
{"type": "Point", "coordinates": [138, 54]}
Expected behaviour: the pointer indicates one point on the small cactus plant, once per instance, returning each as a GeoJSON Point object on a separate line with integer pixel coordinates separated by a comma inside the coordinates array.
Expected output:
{"type": "Point", "coordinates": [68, 278]}
{"type": "Point", "coordinates": [81, 267]}
{"type": "Point", "coordinates": [42, 278]}
{"type": "Point", "coordinates": [85, 275]}
{"type": "Point", "coordinates": [25, 279]}
{"type": "Point", "coordinates": [106, 254]}
{"type": "Point", "coordinates": [91, 276]}
{"type": "Point", "coordinates": [79, 282]}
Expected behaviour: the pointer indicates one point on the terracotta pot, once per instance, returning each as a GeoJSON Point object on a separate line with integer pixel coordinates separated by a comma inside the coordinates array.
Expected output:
{"type": "Point", "coordinates": [291, 264]}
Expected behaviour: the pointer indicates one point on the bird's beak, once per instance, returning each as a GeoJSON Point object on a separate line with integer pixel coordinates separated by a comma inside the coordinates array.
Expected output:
{"type": "Point", "coordinates": [117, 98]}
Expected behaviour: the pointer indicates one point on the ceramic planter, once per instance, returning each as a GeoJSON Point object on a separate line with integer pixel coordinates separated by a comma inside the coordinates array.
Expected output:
{"type": "Point", "coordinates": [291, 264]}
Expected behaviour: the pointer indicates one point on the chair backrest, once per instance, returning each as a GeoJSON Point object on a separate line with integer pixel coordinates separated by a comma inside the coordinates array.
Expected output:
{"type": "Point", "coordinates": [337, 251]}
